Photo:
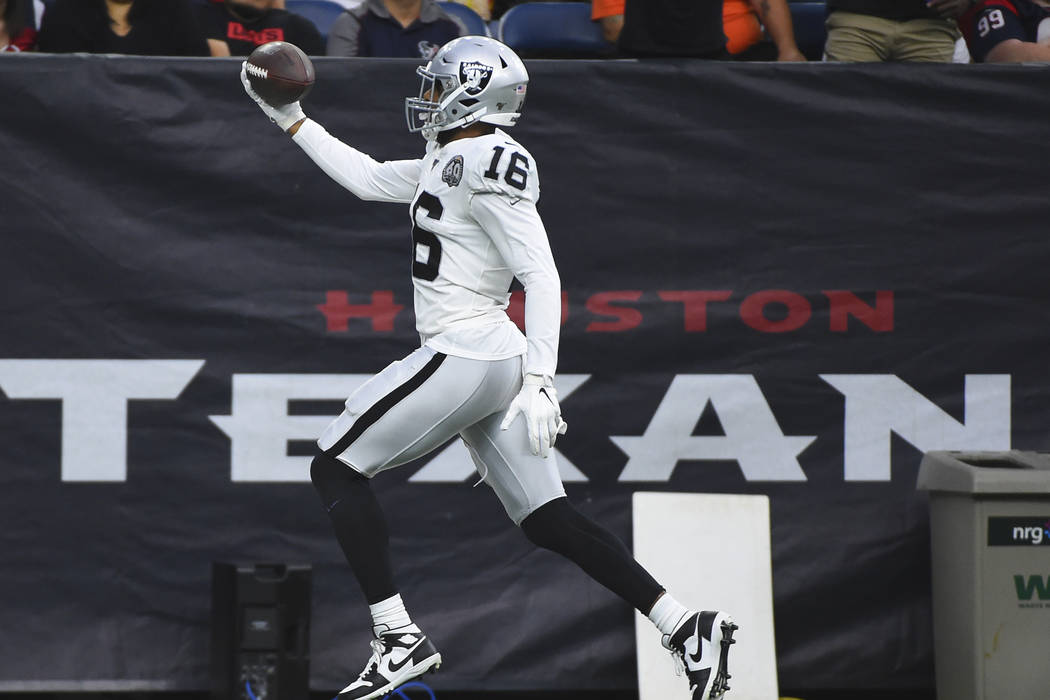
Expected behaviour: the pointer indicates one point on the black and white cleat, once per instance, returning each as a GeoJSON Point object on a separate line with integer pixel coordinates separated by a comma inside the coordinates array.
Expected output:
{"type": "Point", "coordinates": [720, 685]}
{"type": "Point", "coordinates": [397, 658]}
{"type": "Point", "coordinates": [700, 645]}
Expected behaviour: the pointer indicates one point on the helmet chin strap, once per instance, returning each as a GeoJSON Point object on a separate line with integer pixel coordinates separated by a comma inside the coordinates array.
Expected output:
{"type": "Point", "coordinates": [467, 120]}
{"type": "Point", "coordinates": [431, 133]}
{"type": "Point", "coordinates": [446, 102]}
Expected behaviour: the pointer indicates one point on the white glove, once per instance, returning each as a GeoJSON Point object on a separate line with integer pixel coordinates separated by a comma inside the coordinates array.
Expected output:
{"type": "Point", "coordinates": [284, 117]}
{"type": "Point", "coordinates": [537, 402]}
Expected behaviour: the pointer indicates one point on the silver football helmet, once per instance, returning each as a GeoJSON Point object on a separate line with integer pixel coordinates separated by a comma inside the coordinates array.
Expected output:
{"type": "Point", "coordinates": [469, 79]}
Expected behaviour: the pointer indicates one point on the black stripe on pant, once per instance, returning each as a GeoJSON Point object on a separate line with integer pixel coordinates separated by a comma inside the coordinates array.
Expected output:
{"type": "Point", "coordinates": [380, 407]}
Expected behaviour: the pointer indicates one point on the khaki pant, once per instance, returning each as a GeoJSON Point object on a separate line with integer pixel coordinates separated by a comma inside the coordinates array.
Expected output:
{"type": "Point", "coordinates": [864, 38]}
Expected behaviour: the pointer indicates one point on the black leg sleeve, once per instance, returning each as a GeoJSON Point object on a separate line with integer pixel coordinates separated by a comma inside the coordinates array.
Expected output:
{"type": "Point", "coordinates": [559, 527]}
{"type": "Point", "coordinates": [360, 525]}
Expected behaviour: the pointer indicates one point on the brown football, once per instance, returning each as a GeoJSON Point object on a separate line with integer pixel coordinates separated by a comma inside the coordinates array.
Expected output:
{"type": "Point", "coordinates": [280, 73]}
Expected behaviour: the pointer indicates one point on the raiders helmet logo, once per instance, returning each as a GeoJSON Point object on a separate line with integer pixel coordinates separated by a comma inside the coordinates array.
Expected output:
{"type": "Point", "coordinates": [474, 76]}
{"type": "Point", "coordinates": [453, 172]}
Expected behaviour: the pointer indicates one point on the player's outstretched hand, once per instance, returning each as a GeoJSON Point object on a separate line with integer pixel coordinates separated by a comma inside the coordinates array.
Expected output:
{"type": "Point", "coordinates": [537, 402]}
{"type": "Point", "coordinates": [285, 117]}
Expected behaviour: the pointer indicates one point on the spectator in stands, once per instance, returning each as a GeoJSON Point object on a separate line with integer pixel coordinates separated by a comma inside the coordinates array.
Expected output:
{"type": "Point", "coordinates": [500, 7]}
{"type": "Point", "coordinates": [17, 28]}
{"type": "Point", "coordinates": [143, 27]}
{"type": "Point", "coordinates": [1007, 31]}
{"type": "Point", "coordinates": [740, 22]}
{"type": "Point", "coordinates": [609, 16]}
{"type": "Point", "coordinates": [236, 27]}
{"type": "Point", "coordinates": [483, 8]}
{"type": "Point", "coordinates": [760, 30]}
{"type": "Point", "coordinates": [673, 28]}
{"type": "Point", "coordinates": [892, 30]}
{"type": "Point", "coordinates": [396, 28]}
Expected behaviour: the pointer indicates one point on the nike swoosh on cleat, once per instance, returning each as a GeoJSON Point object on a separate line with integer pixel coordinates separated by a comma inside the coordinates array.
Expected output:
{"type": "Point", "coordinates": [699, 645]}
{"type": "Point", "coordinates": [408, 657]}
{"type": "Point", "coordinates": [709, 636]}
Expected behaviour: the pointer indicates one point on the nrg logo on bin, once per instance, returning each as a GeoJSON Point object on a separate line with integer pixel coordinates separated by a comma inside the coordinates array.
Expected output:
{"type": "Point", "coordinates": [1019, 531]}
{"type": "Point", "coordinates": [1037, 534]}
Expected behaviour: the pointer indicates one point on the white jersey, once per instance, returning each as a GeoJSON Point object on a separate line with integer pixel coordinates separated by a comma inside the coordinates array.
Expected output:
{"type": "Point", "coordinates": [474, 228]}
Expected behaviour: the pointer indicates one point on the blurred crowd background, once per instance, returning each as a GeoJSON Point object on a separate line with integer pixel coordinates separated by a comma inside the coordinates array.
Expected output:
{"type": "Point", "coordinates": [960, 31]}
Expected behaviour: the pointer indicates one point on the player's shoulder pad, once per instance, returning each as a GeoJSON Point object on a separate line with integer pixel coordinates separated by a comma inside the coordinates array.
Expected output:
{"type": "Point", "coordinates": [496, 163]}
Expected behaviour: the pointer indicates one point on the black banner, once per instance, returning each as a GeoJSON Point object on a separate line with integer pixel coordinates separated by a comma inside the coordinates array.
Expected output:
{"type": "Point", "coordinates": [786, 280]}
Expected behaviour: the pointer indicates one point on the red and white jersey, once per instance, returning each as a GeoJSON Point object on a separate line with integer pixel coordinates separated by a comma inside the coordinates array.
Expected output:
{"type": "Point", "coordinates": [474, 229]}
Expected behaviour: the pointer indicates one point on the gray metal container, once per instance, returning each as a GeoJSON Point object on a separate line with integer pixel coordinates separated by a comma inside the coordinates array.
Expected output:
{"type": "Point", "coordinates": [990, 542]}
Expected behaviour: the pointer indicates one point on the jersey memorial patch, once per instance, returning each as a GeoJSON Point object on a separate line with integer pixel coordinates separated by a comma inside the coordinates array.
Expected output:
{"type": "Point", "coordinates": [452, 175]}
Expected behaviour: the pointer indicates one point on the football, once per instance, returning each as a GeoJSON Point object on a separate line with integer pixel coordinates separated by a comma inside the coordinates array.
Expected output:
{"type": "Point", "coordinates": [280, 73]}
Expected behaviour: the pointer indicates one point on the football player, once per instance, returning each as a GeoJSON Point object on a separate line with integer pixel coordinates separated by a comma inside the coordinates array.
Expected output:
{"type": "Point", "coordinates": [472, 199]}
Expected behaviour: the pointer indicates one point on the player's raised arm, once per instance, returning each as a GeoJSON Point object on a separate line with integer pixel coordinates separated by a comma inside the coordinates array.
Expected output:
{"type": "Point", "coordinates": [392, 181]}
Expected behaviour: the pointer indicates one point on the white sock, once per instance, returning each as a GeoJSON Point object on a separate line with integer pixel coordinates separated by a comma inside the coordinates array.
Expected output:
{"type": "Point", "coordinates": [390, 614]}
{"type": "Point", "coordinates": [667, 613]}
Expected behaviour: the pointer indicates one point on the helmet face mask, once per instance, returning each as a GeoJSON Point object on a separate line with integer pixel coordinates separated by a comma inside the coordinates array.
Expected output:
{"type": "Point", "coordinates": [469, 79]}
{"type": "Point", "coordinates": [426, 113]}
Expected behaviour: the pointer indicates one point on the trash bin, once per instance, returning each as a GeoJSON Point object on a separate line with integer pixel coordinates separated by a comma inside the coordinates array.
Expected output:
{"type": "Point", "coordinates": [990, 542]}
